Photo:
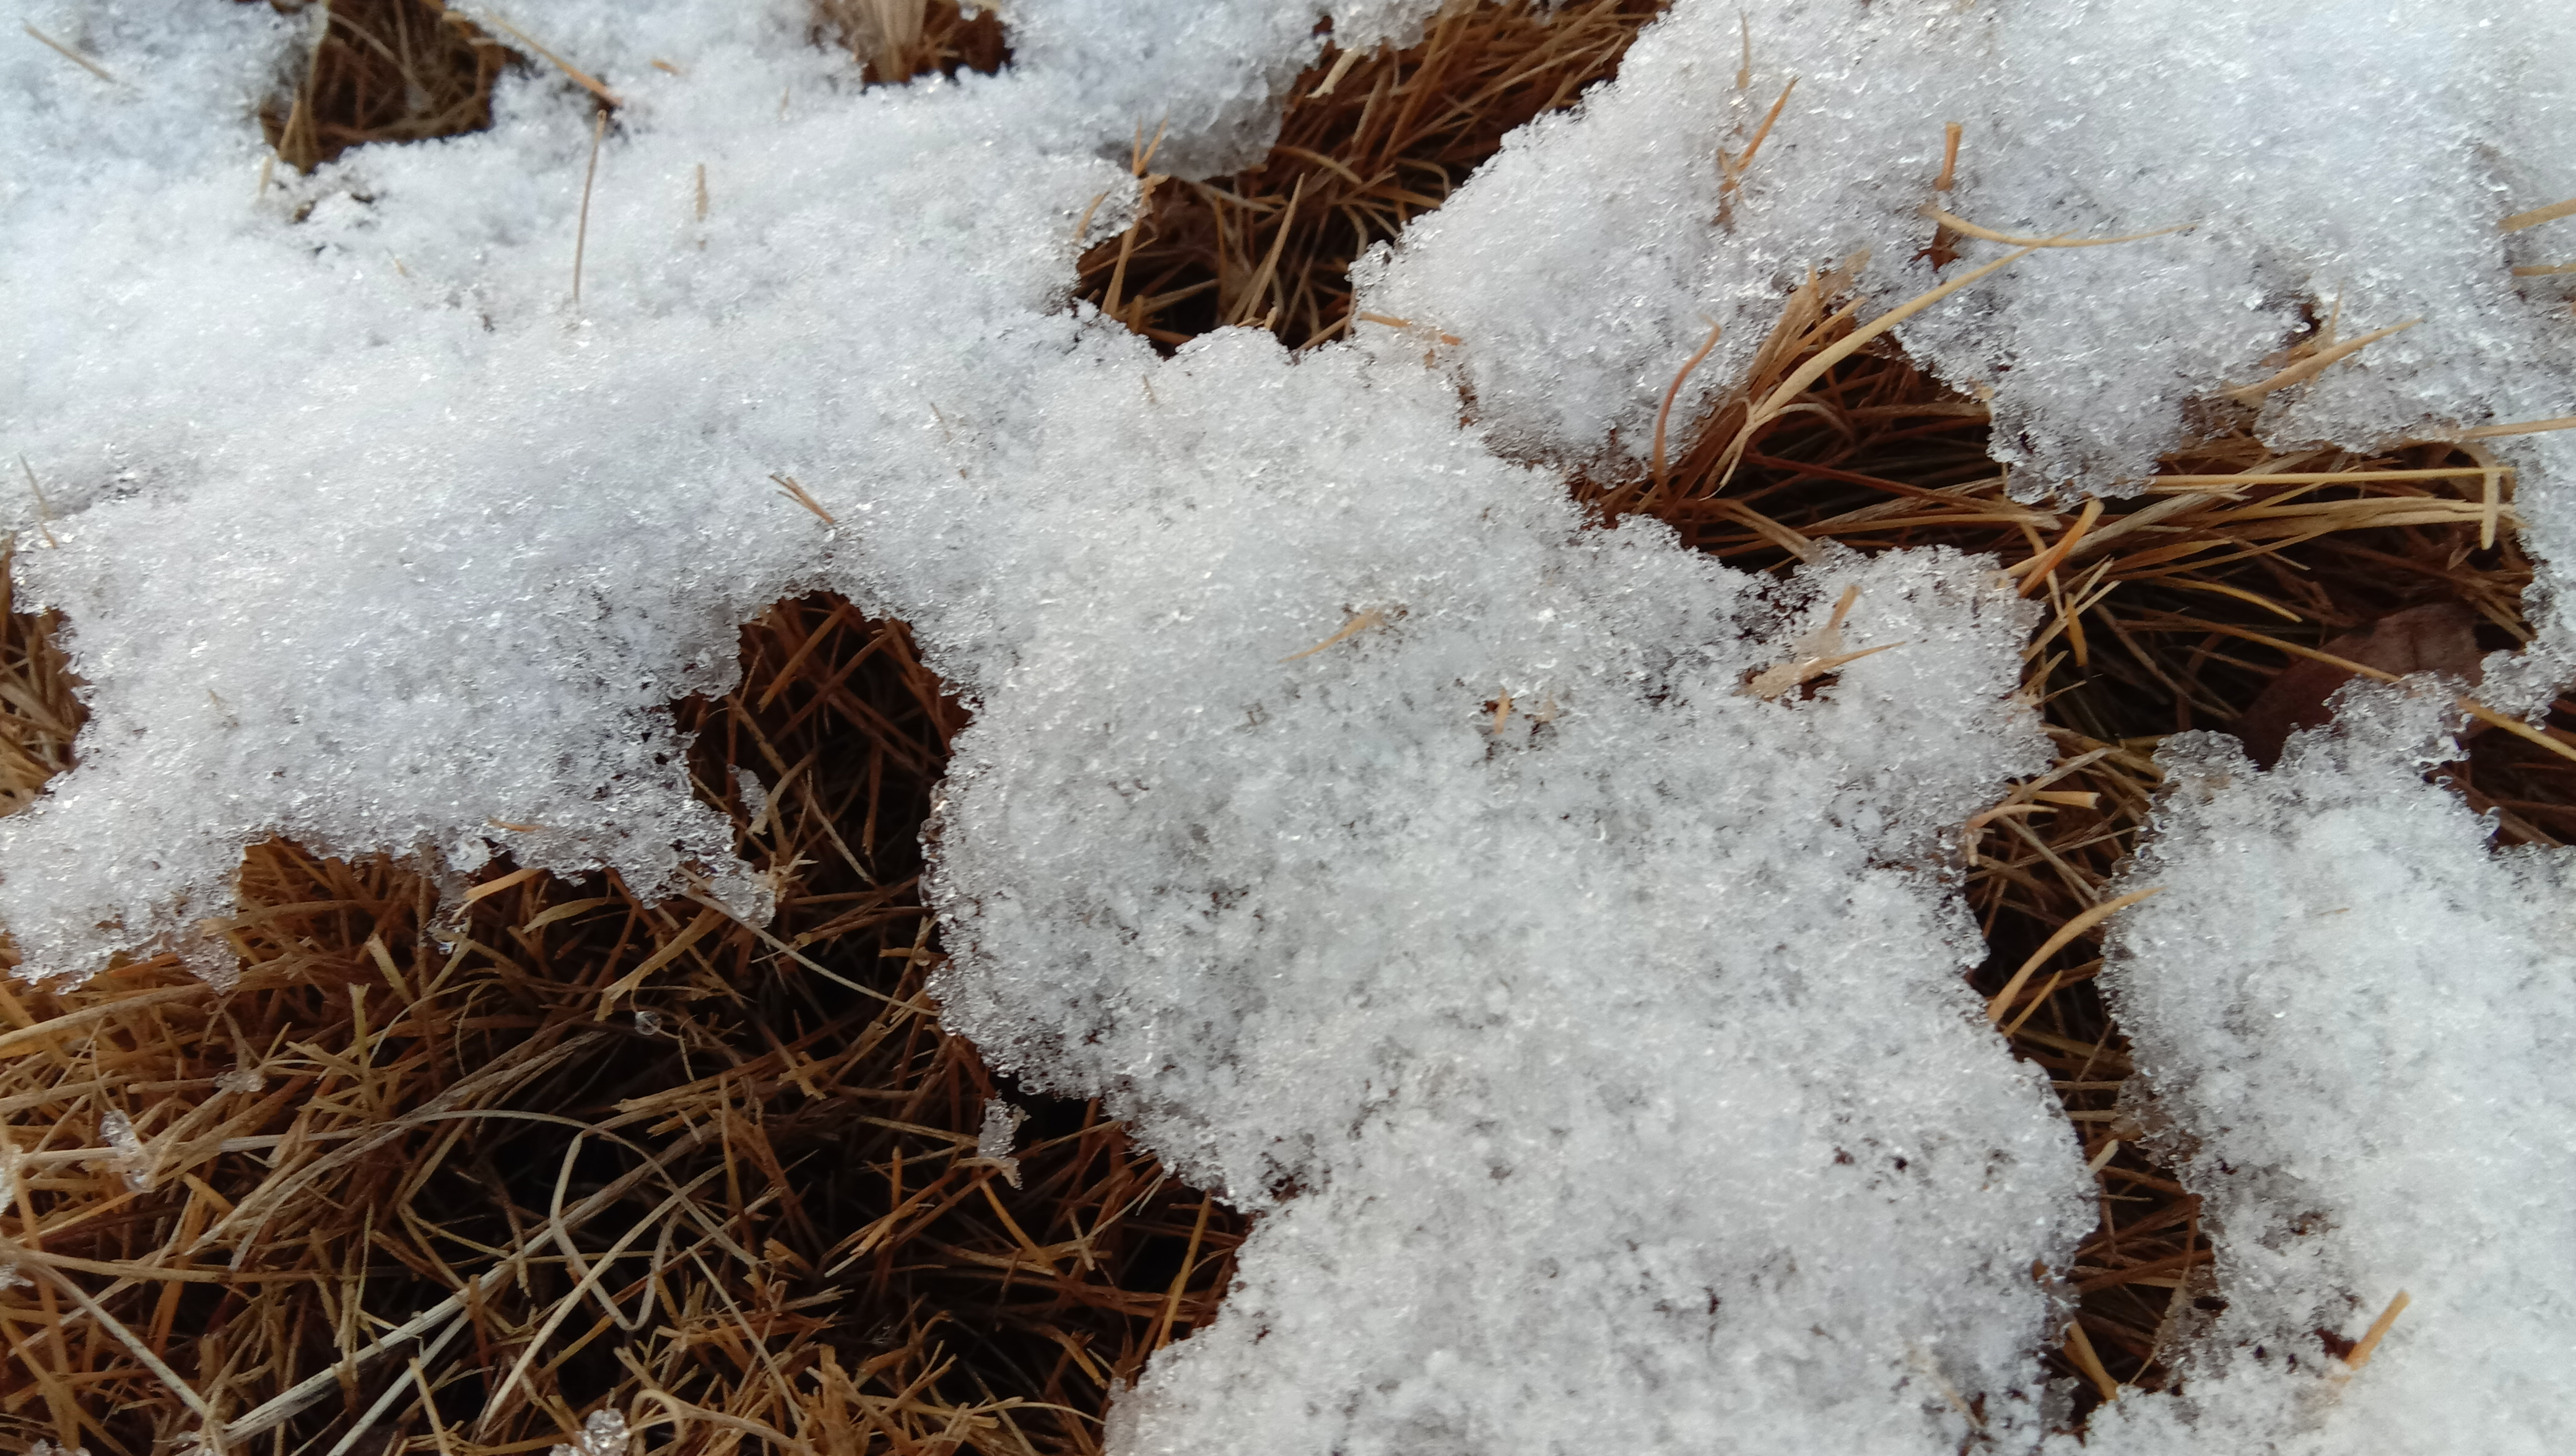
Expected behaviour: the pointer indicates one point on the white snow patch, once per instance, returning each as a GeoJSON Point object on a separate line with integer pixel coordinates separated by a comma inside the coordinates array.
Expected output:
{"type": "Point", "coordinates": [1578, 266]}
{"type": "Point", "coordinates": [604, 1433]}
{"type": "Point", "coordinates": [2354, 1015]}
{"type": "Point", "coordinates": [127, 1156]}
{"type": "Point", "coordinates": [1507, 931]}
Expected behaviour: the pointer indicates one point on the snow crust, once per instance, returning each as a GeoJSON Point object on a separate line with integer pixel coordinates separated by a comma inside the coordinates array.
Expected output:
{"type": "Point", "coordinates": [2354, 1017]}
{"type": "Point", "coordinates": [1399, 851]}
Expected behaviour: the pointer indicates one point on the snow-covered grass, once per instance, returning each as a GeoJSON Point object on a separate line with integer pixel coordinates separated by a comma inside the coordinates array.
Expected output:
{"type": "Point", "coordinates": [791, 1139]}
{"type": "Point", "coordinates": [1405, 853]}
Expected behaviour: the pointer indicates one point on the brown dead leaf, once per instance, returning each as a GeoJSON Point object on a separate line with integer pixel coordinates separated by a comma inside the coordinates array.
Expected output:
{"type": "Point", "coordinates": [2435, 637]}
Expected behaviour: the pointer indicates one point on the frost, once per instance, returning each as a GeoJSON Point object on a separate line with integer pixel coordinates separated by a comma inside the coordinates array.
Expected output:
{"type": "Point", "coordinates": [755, 799]}
{"type": "Point", "coordinates": [1581, 266]}
{"type": "Point", "coordinates": [244, 1080]}
{"type": "Point", "coordinates": [1437, 868]}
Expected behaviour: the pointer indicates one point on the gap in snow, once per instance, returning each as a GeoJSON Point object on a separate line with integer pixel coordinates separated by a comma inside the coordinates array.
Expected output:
{"type": "Point", "coordinates": [2529, 791]}
{"type": "Point", "coordinates": [382, 71]}
{"type": "Point", "coordinates": [828, 758]}
{"type": "Point", "coordinates": [896, 40]}
{"type": "Point", "coordinates": [1371, 139]}
{"type": "Point", "coordinates": [41, 711]}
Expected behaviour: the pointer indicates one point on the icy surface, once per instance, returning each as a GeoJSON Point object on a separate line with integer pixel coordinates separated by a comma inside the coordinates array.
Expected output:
{"type": "Point", "coordinates": [2355, 1019]}
{"type": "Point", "coordinates": [1401, 852]}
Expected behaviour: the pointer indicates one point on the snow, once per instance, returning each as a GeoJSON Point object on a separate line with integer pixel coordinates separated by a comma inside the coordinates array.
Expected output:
{"type": "Point", "coordinates": [1582, 264]}
{"type": "Point", "coordinates": [2353, 1017]}
{"type": "Point", "coordinates": [994, 1140]}
{"type": "Point", "coordinates": [127, 1157]}
{"type": "Point", "coordinates": [604, 1433]}
{"type": "Point", "coordinates": [1501, 991]}
{"type": "Point", "coordinates": [371, 540]}
{"type": "Point", "coordinates": [1405, 857]}
{"type": "Point", "coordinates": [1208, 78]}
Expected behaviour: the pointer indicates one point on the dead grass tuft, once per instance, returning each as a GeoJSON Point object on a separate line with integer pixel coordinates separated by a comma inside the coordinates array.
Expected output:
{"type": "Point", "coordinates": [1369, 142]}
{"type": "Point", "coordinates": [2171, 610]}
{"type": "Point", "coordinates": [896, 40]}
{"type": "Point", "coordinates": [384, 71]}
{"type": "Point", "coordinates": [457, 1185]}
{"type": "Point", "coordinates": [40, 710]}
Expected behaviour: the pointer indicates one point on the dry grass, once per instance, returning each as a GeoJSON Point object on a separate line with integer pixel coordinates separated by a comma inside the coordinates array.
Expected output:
{"type": "Point", "coordinates": [2169, 610]}
{"type": "Point", "coordinates": [622, 1156]}
{"type": "Point", "coordinates": [39, 714]}
{"type": "Point", "coordinates": [384, 71]}
{"type": "Point", "coordinates": [1369, 142]}
{"type": "Point", "coordinates": [899, 39]}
